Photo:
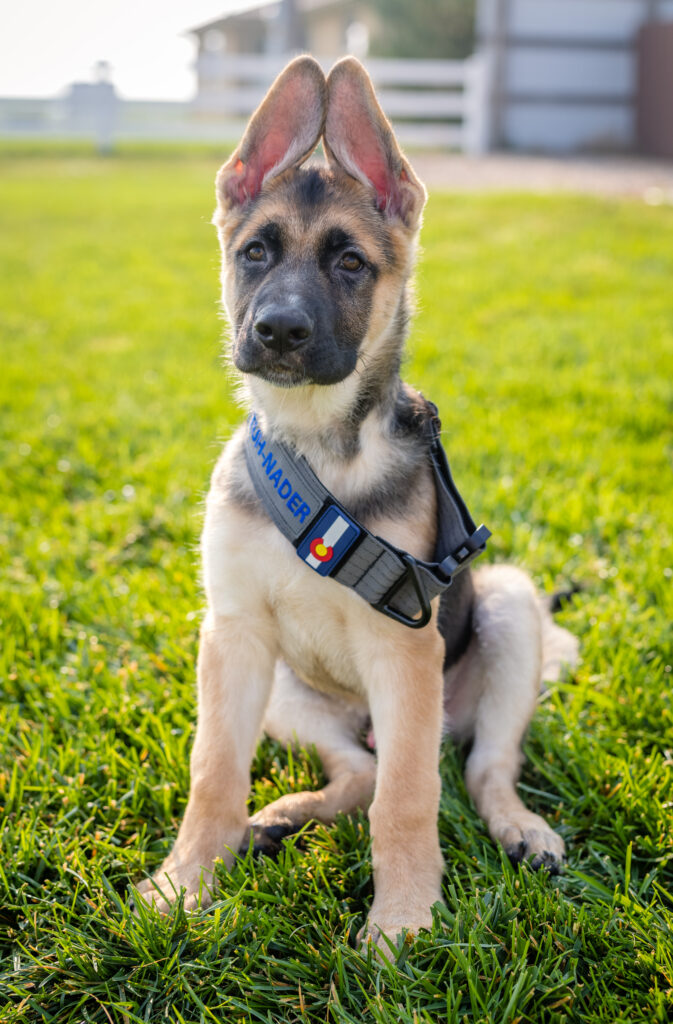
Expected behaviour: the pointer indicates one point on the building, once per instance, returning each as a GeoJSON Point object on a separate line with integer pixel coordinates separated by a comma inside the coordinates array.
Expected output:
{"type": "Point", "coordinates": [328, 28]}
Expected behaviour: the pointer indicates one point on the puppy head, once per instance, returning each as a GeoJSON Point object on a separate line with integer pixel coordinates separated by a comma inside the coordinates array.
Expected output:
{"type": "Point", "coordinates": [315, 260]}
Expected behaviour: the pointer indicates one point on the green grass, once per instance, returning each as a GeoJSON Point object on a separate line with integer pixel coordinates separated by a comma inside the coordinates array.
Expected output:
{"type": "Point", "coordinates": [545, 334]}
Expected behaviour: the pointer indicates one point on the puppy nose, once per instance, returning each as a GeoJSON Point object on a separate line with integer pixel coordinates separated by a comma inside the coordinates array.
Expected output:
{"type": "Point", "coordinates": [283, 328]}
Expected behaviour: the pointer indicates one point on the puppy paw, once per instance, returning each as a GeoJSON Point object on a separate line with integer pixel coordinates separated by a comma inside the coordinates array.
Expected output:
{"type": "Point", "coordinates": [163, 889]}
{"type": "Point", "coordinates": [530, 838]}
{"type": "Point", "coordinates": [387, 931]}
{"type": "Point", "coordinates": [267, 837]}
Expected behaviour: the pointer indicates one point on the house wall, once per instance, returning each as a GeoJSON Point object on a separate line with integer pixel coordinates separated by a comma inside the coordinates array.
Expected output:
{"type": "Point", "coordinates": [239, 35]}
{"type": "Point", "coordinates": [326, 29]}
{"type": "Point", "coordinates": [564, 72]}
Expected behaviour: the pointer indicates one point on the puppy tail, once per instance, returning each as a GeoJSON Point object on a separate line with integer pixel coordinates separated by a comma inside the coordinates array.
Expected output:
{"type": "Point", "coordinates": [560, 598]}
{"type": "Point", "coordinates": [560, 649]}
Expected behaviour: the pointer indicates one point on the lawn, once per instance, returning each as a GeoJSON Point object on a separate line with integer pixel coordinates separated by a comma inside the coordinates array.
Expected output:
{"type": "Point", "coordinates": [545, 335]}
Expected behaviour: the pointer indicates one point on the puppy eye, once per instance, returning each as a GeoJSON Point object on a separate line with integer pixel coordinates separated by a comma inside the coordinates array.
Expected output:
{"type": "Point", "coordinates": [351, 261]}
{"type": "Point", "coordinates": [255, 252]}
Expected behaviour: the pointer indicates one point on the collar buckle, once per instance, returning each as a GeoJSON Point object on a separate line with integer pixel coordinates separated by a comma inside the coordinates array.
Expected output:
{"type": "Point", "coordinates": [466, 553]}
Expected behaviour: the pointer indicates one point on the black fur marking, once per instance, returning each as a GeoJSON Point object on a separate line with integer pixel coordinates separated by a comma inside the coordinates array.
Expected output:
{"type": "Point", "coordinates": [336, 239]}
{"type": "Point", "coordinates": [310, 187]}
{"type": "Point", "coordinates": [412, 413]}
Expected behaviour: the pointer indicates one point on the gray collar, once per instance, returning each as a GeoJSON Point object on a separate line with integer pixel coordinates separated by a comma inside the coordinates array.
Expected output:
{"type": "Point", "coordinates": [329, 540]}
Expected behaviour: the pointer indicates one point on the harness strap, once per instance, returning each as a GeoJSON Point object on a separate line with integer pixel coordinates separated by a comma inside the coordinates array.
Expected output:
{"type": "Point", "coordinates": [335, 544]}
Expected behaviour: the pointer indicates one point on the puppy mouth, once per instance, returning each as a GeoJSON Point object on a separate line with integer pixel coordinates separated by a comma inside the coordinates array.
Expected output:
{"type": "Point", "coordinates": [321, 362]}
{"type": "Point", "coordinates": [285, 370]}
{"type": "Point", "coordinates": [281, 376]}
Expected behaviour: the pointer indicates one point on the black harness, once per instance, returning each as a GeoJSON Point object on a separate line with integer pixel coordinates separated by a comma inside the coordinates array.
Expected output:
{"type": "Point", "coordinates": [335, 544]}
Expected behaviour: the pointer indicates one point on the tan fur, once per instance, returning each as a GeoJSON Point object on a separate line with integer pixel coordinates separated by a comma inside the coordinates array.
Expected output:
{"type": "Point", "coordinates": [502, 672]}
{"type": "Point", "coordinates": [306, 658]}
{"type": "Point", "coordinates": [405, 699]}
{"type": "Point", "coordinates": [300, 714]}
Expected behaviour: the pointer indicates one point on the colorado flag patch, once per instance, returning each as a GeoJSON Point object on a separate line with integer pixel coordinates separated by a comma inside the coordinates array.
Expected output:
{"type": "Point", "coordinates": [328, 540]}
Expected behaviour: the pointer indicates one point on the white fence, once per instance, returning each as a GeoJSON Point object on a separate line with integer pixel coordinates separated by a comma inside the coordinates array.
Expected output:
{"type": "Point", "coordinates": [430, 102]}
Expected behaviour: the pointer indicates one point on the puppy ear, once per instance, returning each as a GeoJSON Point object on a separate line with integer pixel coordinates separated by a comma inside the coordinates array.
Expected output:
{"type": "Point", "coordinates": [282, 133]}
{"type": "Point", "coordinates": [358, 137]}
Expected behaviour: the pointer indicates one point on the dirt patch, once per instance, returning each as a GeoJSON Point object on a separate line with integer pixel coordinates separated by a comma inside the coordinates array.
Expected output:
{"type": "Point", "coordinates": [648, 180]}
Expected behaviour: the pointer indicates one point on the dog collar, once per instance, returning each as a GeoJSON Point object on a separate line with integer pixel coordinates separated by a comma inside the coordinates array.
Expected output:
{"type": "Point", "coordinates": [329, 540]}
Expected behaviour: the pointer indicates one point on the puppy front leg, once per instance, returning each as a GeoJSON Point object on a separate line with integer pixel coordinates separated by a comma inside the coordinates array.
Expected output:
{"type": "Point", "coordinates": [235, 670]}
{"type": "Point", "coordinates": [404, 682]}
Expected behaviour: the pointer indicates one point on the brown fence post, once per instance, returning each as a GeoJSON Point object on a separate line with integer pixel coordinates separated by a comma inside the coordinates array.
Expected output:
{"type": "Point", "coordinates": [654, 102]}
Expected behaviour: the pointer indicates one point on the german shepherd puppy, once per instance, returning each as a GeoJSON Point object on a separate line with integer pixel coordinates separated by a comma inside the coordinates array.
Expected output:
{"type": "Point", "coordinates": [316, 266]}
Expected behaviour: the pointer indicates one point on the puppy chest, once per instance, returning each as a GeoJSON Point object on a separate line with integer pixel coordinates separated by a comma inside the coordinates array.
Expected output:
{"type": "Point", "coordinates": [250, 567]}
{"type": "Point", "coordinates": [313, 633]}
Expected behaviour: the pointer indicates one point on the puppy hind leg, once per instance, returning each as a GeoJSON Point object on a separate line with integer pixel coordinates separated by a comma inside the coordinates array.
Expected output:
{"type": "Point", "coordinates": [305, 717]}
{"type": "Point", "coordinates": [560, 649]}
{"type": "Point", "coordinates": [508, 660]}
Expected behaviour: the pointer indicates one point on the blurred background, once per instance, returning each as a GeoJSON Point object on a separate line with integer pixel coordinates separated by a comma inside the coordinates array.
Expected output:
{"type": "Point", "coordinates": [466, 76]}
